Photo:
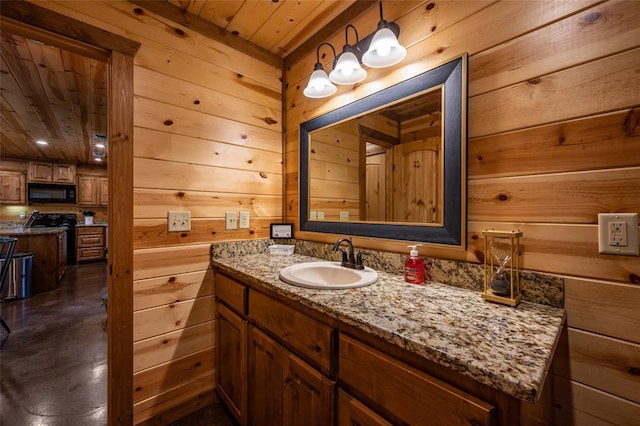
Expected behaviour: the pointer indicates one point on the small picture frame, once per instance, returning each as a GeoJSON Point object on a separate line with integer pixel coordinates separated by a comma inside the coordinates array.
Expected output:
{"type": "Point", "coordinates": [281, 231]}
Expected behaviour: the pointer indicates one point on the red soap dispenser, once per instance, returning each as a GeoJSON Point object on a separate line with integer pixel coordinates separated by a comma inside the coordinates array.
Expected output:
{"type": "Point", "coordinates": [414, 267]}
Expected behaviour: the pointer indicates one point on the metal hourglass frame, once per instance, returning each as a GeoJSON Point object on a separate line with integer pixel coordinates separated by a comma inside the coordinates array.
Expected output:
{"type": "Point", "coordinates": [511, 266]}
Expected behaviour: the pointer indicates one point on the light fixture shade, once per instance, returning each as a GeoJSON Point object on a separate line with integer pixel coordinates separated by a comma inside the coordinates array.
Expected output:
{"type": "Point", "coordinates": [347, 70]}
{"type": "Point", "coordinates": [384, 50]}
{"type": "Point", "coordinates": [319, 84]}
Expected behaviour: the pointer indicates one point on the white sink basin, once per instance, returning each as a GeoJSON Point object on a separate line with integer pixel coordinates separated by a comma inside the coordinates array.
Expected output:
{"type": "Point", "coordinates": [327, 275]}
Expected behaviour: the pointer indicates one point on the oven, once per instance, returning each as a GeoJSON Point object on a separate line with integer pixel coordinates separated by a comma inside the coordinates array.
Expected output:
{"type": "Point", "coordinates": [64, 220]}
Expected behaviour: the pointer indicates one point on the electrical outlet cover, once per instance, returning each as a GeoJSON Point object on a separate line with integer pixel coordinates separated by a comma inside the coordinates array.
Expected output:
{"type": "Point", "coordinates": [244, 220]}
{"type": "Point", "coordinates": [618, 233]}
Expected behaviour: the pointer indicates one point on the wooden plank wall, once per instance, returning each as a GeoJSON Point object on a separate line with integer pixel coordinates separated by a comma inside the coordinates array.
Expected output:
{"type": "Point", "coordinates": [207, 139]}
{"type": "Point", "coordinates": [553, 140]}
{"type": "Point", "coordinates": [334, 170]}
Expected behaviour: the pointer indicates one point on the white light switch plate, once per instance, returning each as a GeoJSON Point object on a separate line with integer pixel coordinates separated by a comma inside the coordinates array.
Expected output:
{"type": "Point", "coordinates": [618, 233]}
{"type": "Point", "coordinates": [230, 220]}
{"type": "Point", "coordinates": [178, 221]}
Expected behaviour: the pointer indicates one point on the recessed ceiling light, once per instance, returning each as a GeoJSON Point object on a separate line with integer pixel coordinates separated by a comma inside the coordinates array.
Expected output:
{"type": "Point", "coordinates": [99, 145]}
{"type": "Point", "coordinates": [97, 159]}
{"type": "Point", "coordinates": [42, 142]}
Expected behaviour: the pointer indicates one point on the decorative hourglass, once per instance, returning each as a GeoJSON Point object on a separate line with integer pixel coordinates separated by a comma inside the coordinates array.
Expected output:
{"type": "Point", "coordinates": [501, 267]}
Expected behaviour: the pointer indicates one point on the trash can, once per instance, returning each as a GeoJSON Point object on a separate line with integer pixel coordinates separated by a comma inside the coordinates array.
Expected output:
{"type": "Point", "coordinates": [18, 281]}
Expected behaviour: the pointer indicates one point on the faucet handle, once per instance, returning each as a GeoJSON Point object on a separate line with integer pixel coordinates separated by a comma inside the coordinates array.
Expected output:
{"type": "Point", "coordinates": [359, 263]}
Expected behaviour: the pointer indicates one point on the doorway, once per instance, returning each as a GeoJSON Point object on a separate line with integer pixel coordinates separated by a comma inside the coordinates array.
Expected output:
{"type": "Point", "coordinates": [39, 23]}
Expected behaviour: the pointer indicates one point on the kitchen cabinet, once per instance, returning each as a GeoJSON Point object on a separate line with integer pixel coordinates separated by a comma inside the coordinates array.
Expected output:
{"type": "Point", "coordinates": [12, 187]}
{"type": "Point", "coordinates": [49, 255]}
{"type": "Point", "coordinates": [232, 361]}
{"type": "Point", "coordinates": [40, 171]}
{"type": "Point", "coordinates": [93, 190]}
{"type": "Point", "coordinates": [90, 242]}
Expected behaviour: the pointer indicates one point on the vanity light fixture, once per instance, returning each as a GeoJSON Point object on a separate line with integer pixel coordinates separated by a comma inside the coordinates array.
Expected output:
{"type": "Point", "coordinates": [384, 50]}
{"type": "Point", "coordinates": [347, 69]}
{"type": "Point", "coordinates": [381, 48]}
{"type": "Point", "coordinates": [319, 85]}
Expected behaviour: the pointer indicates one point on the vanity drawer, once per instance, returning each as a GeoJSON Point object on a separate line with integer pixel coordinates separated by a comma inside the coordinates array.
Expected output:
{"type": "Point", "coordinates": [408, 394]}
{"type": "Point", "coordinates": [312, 340]}
{"type": "Point", "coordinates": [231, 293]}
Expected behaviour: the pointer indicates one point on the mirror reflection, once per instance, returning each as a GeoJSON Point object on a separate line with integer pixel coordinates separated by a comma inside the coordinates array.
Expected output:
{"type": "Point", "coordinates": [392, 164]}
{"type": "Point", "coordinates": [383, 166]}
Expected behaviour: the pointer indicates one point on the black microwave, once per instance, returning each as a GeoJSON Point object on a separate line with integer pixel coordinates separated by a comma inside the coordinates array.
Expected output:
{"type": "Point", "coordinates": [51, 193]}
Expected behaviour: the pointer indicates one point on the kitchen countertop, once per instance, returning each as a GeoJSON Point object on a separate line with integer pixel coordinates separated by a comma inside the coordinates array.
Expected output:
{"type": "Point", "coordinates": [17, 232]}
{"type": "Point", "coordinates": [509, 349]}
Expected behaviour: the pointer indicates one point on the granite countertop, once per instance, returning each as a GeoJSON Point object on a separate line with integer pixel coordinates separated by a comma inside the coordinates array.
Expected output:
{"type": "Point", "coordinates": [17, 232]}
{"type": "Point", "coordinates": [509, 349]}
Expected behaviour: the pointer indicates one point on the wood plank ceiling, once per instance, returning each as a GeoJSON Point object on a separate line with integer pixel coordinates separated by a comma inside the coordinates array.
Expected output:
{"type": "Point", "coordinates": [279, 26]}
{"type": "Point", "coordinates": [53, 95]}
{"type": "Point", "coordinates": [58, 96]}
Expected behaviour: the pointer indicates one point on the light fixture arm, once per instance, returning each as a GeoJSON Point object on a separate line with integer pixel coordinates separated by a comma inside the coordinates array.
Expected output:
{"type": "Point", "coordinates": [333, 64]}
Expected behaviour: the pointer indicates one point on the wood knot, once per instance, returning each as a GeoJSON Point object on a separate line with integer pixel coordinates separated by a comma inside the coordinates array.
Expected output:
{"type": "Point", "coordinates": [502, 197]}
{"type": "Point", "coordinates": [534, 80]}
{"type": "Point", "coordinates": [348, 160]}
{"type": "Point", "coordinates": [313, 151]}
{"type": "Point", "coordinates": [235, 33]}
{"type": "Point", "coordinates": [180, 194]}
{"type": "Point", "coordinates": [635, 371]}
{"type": "Point", "coordinates": [197, 364]}
{"type": "Point", "coordinates": [42, 65]}
{"type": "Point", "coordinates": [165, 341]}
{"type": "Point", "coordinates": [172, 280]}
{"type": "Point", "coordinates": [168, 122]}
{"type": "Point", "coordinates": [138, 11]}
{"type": "Point", "coordinates": [178, 323]}
{"type": "Point", "coordinates": [433, 29]}
{"type": "Point", "coordinates": [430, 6]}
{"type": "Point", "coordinates": [440, 50]}
{"type": "Point", "coordinates": [561, 139]}
{"type": "Point", "coordinates": [249, 161]}
{"type": "Point", "coordinates": [251, 232]}
{"type": "Point", "coordinates": [138, 389]}
{"type": "Point", "coordinates": [244, 136]}
{"type": "Point", "coordinates": [270, 121]}
{"type": "Point", "coordinates": [591, 18]}
{"type": "Point", "coordinates": [196, 102]}
{"type": "Point", "coordinates": [480, 158]}
{"type": "Point", "coordinates": [179, 32]}
{"type": "Point", "coordinates": [317, 348]}
{"type": "Point", "coordinates": [474, 237]}
{"type": "Point", "coordinates": [263, 175]}
{"type": "Point", "coordinates": [634, 278]}
{"type": "Point", "coordinates": [184, 234]}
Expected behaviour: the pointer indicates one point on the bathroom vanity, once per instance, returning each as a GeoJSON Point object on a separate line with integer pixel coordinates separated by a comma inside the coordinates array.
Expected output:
{"type": "Point", "coordinates": [388, 353]}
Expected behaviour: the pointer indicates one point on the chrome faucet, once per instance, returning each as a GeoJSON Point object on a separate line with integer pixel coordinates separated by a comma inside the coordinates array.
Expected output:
{"type": "Point", "coordinates": [349, 259]}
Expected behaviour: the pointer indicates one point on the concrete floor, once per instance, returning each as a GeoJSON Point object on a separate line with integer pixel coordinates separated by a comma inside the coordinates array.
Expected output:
{"type": "Point", "coordinates": [53, 364]}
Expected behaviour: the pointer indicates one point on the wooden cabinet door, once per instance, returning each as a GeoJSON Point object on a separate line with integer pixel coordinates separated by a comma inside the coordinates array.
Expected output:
{"type": "Point", "coordinates": [265, 379]}
{"type": "Point", "coordinates": [352, 412]}
{"type": "Point", "coordinates": [103, 191]}
{"type": "Point", "coordinates": [12, 187]}
{"type": "Point", "coordinates": [40, 171]}
{"type": "Point", "coordinates": [232, 362]}
{"type": "Point", "coordinates": [64, 173]}
{"type": "Point", "coordinates": [87, 191]}
{"type": "Point", "coordinates": [62, 254]}
{"type": "Point", "coordinates": [308, 396]}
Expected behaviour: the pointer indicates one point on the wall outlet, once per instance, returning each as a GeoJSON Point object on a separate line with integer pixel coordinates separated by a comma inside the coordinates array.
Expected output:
{"type": "Point", "coordinates": [618, 233]}
{"type": "Point", "coordinates": [244, 220]}
{"type": "Point", "coordinates": [344, 216]}
{"type": "Point", "coordinates": [320, 215]}
{"type": "Point", "coordinates": [230, 220]}
{"type": "Point", "coordinates": [313, 215]}
{"type": "Point", "coordinates": [178, 221]}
